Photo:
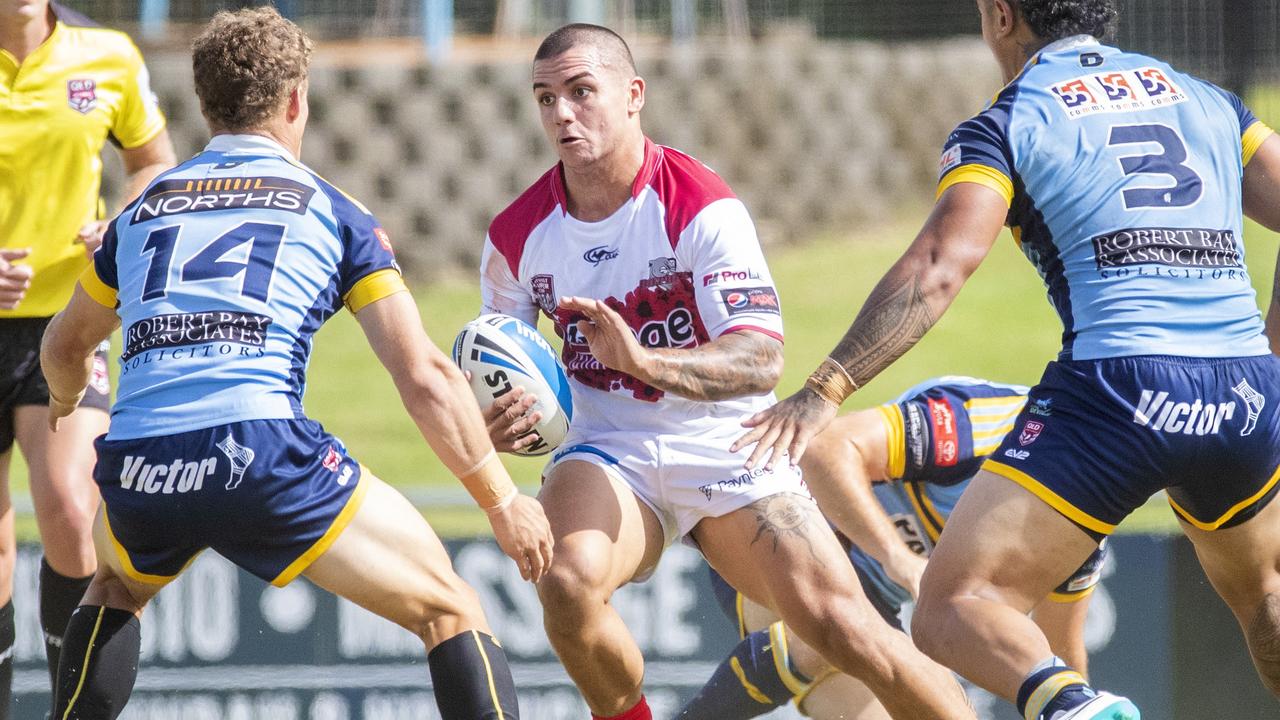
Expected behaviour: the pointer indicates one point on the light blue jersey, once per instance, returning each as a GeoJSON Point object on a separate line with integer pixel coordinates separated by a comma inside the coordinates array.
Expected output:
{"type": "Point", "coordinates": [1124, 183]}
{"type": "Point", "coordinates": [221, 272]}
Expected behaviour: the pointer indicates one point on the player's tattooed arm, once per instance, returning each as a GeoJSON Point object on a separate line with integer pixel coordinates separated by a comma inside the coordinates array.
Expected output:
{"type": "Point", "coordinates": [732, 365]}
{"type": "Point", "coordinates": [903, 306]}
{"type": "Point", "coordinates": [895, 317]}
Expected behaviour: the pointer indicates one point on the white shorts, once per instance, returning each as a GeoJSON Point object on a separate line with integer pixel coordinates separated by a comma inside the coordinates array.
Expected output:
{"type": "Point", "coordinates": [683, 479]}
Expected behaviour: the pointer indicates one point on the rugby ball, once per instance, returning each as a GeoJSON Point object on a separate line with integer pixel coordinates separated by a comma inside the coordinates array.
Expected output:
{"type": "Point", "coordinates": [502, 352]}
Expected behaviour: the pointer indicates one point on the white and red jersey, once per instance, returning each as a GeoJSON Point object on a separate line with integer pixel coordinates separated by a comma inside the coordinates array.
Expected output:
{"type": "Point", "coordinates": [680, 262]}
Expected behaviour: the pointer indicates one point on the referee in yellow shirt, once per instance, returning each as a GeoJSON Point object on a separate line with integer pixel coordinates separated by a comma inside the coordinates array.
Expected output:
{"type": "Point", "coordinates": [66, 86]}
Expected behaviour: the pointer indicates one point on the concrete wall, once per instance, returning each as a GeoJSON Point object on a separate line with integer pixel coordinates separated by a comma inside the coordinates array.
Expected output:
{"type": "Point", "coordinates": [812, 135]}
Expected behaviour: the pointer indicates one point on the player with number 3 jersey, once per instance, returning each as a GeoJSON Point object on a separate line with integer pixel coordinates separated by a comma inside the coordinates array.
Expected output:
{"type": "Point", "coordinates": [1123, 181]}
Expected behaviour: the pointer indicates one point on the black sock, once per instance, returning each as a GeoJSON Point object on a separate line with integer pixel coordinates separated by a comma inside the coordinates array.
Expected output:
{"type": "Point", "coordinates": [100, 664]}
{"type": "Point", "coordinates": [6, 658]}
{"type": "Point", "coordinates": [472, 680]}
{"type": "Point", "coordinates": [59, 596]}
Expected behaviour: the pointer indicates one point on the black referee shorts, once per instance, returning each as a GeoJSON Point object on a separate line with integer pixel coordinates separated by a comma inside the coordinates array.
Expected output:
{"type": "Point", "coordinates": [22, 382]}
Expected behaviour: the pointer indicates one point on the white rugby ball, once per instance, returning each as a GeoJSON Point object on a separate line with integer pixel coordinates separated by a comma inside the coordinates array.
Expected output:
{"type": "Point", "coordinates": [502, 352]}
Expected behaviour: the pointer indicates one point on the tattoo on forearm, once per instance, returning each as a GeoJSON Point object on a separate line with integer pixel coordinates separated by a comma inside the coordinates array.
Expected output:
{"type": "Point", "coordinates": [733, 365]}
{"type": "Point", "coordinates": [784, 516]}
{"type": "Point", "coordinates": [894, 319]}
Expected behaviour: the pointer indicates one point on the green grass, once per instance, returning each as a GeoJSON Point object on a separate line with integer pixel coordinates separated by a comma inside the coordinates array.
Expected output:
{"type": "Point", "coordinates": [1001, 327]}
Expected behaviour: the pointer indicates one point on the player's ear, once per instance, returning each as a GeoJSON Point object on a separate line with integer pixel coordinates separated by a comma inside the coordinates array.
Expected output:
{"type": "Point", "coordinates": [297, 101]}
{"type": "Point", "coordinates": [1006, 16]}
{"type": "Point", "coordinates": [635, 95]}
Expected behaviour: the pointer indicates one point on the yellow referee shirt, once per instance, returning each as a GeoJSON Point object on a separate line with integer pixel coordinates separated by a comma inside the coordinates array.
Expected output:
{"type": "Point", "coordinates": [57, 108]}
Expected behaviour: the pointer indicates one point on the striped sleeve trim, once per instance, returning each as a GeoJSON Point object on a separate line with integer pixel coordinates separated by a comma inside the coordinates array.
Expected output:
{"type": "Point", "coordinates": [981, 175]}
{"type": "Point", "coordinates": [102, 293]}
{"type": "Point", "coordinates": [1253, 139]}
{"type": "Point", "coordinates": [373, 287]}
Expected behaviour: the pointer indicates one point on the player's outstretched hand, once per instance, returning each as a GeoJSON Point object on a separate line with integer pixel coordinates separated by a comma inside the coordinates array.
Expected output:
{"type": "Point", "coordinates": [523, 533]}
{"type": "Point", "coordinates": [91, 236]}
{"type": "Point", "coordinates": [785, 429]}
{"type": "Point", "coordinates": [608, 335]}
{"type": "Point", "coordinates": [510, 419]}
{"type": "Point", "coordinates": [14, 279]}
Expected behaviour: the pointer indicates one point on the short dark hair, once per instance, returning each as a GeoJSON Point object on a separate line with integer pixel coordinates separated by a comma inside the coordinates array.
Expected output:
{"type": "Point", "coordinates": [1056, 19]}
{"type": "Point", "coordinates": [610, 43]}
{"type": "Point", "coordinates": [246, 63]}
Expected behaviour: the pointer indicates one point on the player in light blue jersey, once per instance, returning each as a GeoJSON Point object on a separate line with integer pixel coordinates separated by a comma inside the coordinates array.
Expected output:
{"type": "Point", "coordinates": [887, 478]}
{"type": "Point", "coordinates": [220, 273]}
{"type": "Point", "coordinates": [1124, 181]}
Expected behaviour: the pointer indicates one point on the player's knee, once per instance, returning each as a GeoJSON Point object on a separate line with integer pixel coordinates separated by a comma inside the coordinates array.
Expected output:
{"type": "Point", "coordinates": [455, 608]}
{"type": "Point", "coordinates": [928, 622]}
{"type": "Point", "coordinates": [573, 585]}
{"type": "Point", "coordinates": [68, 517]}
{"type": "Point", "coordinates": [846, 635]}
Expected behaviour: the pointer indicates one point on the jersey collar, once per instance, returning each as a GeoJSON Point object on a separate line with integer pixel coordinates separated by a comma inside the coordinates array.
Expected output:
{"type": "Point", "coordinates": [228, 143]}
{"type": "Point", "coordinates": [649, 166]}
{"type": "Point", "coordinates": [1068, 43]}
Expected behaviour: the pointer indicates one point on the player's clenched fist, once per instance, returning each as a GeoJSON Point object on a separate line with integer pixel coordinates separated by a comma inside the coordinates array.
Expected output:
{"type": "Point", "coordinates": [523, 533]}
{"type": "Point", "coordinates": [14, 279]}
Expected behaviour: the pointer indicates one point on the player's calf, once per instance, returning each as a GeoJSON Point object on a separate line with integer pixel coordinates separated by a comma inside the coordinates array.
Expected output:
{"type": "Point", "coordinates": [99, 664]}
{"type": "Point", "coordinates": [472, 679]}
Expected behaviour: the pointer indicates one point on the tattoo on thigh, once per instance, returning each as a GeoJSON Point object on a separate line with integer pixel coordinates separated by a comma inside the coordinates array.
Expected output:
{"type": "Point", "coordinates": [783, 516]}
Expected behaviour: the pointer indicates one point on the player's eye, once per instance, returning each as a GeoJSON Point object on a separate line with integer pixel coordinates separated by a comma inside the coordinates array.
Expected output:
{"type": "Point", "coordinates": [581, 91]}
{"type": "Point", "coordinates": [546, 99]}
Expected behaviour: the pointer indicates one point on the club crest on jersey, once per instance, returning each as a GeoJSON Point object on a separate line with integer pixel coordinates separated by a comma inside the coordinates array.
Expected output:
{"type": "Point", "coordinates": [82, 94]}
{"type": "Point", "coordinates": [1030, 431]}
{"type": "Point", "coordinates": [662, 273]}
{"type": "Point", "coordinates": [1117, 91]}
{"type": "Point", "coordinates": [100, 380]}
{"type": "Point", "coordinates": [544, 292]}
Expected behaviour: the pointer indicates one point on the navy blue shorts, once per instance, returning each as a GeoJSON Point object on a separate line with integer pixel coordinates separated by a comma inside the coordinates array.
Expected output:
{"type": "Point", "coordinates": [269, 495]}
{"type": "Point", "coordinates": [1097, 438]}
{"type": "Point", "coordinates": [22, 381]}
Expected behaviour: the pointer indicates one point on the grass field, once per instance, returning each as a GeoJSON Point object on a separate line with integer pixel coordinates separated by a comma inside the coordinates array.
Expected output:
{"type": "Point", "coordinates": [1001, 327]}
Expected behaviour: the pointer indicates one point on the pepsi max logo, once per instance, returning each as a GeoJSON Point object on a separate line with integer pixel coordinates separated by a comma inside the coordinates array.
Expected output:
{"type": "Point", "coordinates": [752, 300]}
{"type": "Point", "coordinates": [599, 254]}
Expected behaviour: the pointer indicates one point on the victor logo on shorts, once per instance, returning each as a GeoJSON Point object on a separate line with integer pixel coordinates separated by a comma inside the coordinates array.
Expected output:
{"type": "Point", "coordinates": [1194, 418]}
{"type": "Point", "coordinates": [177, 476]}
{"type": "Point", "coordinates": [240, 457]}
